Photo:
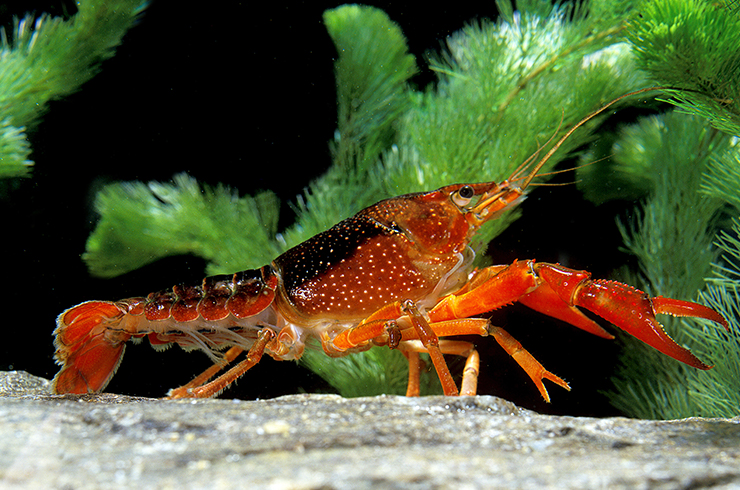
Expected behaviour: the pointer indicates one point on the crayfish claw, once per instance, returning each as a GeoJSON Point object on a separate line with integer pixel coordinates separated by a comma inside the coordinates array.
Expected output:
{"type": "Point", "coordinates": [634, 312]}
{"type": "Point", "coordinates": [676, 307]}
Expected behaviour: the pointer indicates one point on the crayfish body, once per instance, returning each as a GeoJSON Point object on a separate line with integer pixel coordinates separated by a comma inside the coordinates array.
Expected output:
{"type": "Point", "coordinates": [399, 274]}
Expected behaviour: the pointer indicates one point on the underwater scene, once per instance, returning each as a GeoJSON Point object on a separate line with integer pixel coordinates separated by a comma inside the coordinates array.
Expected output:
{"type": "Point", "coordinates": [145, 146]}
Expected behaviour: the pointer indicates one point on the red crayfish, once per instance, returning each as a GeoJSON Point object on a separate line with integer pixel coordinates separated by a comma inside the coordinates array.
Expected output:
{"type": "Point", "coordinates": [398, 273]}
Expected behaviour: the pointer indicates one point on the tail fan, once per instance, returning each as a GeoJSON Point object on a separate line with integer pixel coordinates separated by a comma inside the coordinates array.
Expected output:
{"type": "Point", "coordinates": [88, 347]}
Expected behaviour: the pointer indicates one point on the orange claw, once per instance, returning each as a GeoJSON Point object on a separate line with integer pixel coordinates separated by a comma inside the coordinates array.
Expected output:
{"type": "Point", "coordinates": [634, 312]}
{"type": "Point", "coordinates": [676, 307]}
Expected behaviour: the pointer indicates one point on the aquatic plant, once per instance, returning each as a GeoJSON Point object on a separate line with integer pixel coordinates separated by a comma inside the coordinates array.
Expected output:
{"type": "Point", "coordinates": [667, 159]}
{"type": "Point", "coordinates": [47, 58]}
{"type": "Point", "coordinates": [684, 171]}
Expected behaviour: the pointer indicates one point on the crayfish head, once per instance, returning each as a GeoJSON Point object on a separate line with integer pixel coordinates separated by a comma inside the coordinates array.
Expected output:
{"type": "Point", "coordinates": [444, 220]}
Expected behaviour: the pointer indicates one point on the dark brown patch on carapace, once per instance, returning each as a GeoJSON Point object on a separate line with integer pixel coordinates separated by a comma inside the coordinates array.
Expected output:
{"type": "Point", "coordinates": [359, 265]}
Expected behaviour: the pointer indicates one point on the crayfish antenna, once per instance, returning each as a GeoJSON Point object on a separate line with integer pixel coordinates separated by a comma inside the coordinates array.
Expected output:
{"type": "Point", "coordinates": [528, 179]}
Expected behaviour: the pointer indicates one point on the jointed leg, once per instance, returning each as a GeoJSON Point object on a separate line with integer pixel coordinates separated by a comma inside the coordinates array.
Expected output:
{"type": "Point", "coordinates": [430, 341]}
{"type": "Point", "coordinates": [193, 390]}
{"type": "Point", "coordinates": [413, 387]}
{"type": "Point", "coordinates": [469, 385]}
{"type": "Point", "coordinates": [531, 366]}
{"type": "Point", "coordinates": [203, 377]}
{"type": "Point", "coordinates": [412, 348]}
{"type": "Point", "coordinates": [421, 336]}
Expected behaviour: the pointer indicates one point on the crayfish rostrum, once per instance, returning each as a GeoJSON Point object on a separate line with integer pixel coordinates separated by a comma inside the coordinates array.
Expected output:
{"type": "Point", "coordinates": [398, 274]}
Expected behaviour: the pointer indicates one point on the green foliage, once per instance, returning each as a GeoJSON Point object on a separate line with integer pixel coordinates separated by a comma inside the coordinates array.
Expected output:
{"type": "Point", "coordinates": [722, 177]}
{"type": "Point", "coordinates": [672, 236]}
{"type": "Point", "coordinates": [692, 45]}
{"type": "Point", "coordinates": [141, 223]}
{"type": "Point", "coordinates": [504, 89]}
{"type": "Point", "coordinates": [49, 58]}
{"type": "Point", "coordinates": [371, 72]}
{"type": "Point", "coordinates": [478, 124]}
{"type": "Point", "coordinates": [669, 155]}
{"type": "Point", "coordinates": [14, 151]}
{"type": "Point", "coordinates": [718, 394]}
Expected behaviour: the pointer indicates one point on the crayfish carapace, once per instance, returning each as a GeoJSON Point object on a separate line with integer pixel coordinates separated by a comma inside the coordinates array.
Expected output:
{"type": "Point", "coordinates": [399, 274]}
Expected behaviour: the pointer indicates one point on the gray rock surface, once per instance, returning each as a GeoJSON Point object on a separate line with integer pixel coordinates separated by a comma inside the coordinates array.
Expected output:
{"type": "Point", "coordinates": [325, 441]}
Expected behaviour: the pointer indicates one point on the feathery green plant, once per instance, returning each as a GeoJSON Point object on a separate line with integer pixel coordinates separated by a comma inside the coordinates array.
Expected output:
{"type": "Point", "coordinates": [672, 234]}
{"type": "Point", "coordinates": [689, 45]}
{"type": "Point", "coordinates": [718, 395]}
{"type": "Point", "coordinates": [692, 45]}
{"type": "Point", "coordinates": [14, 150]}
{"type": "Point", "coordinates": [49, 58]}
{"type": "Point", "coordinates": [471, 108]}
{"type": "Point", "coordinates": [141, 223]}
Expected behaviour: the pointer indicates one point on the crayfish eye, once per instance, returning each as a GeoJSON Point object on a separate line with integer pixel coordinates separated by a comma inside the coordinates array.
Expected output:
{"type": "Point", "coordinates": [463, 195]}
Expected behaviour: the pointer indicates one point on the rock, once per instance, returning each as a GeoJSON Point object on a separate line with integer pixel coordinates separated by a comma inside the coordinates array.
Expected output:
{"type": "Point", "coordinates": [18, 383]}
{"type": "Point", "coordinates": [325, 441]}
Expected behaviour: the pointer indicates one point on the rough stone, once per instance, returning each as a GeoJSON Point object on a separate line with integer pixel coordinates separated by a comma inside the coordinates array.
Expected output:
{"type": "Point", "coordinates": [325, 441]}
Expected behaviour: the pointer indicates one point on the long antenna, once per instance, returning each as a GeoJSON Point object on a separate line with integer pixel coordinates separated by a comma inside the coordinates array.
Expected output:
{"type": "Point", "coordinates": [583, 121]}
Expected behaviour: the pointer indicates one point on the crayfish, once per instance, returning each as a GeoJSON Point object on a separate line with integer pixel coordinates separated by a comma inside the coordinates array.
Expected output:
{"type": "Point", "coordinates": [398, 274]}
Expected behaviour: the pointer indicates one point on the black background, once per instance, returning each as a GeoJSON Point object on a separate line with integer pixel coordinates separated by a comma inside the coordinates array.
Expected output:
{"type": "Point", "coordinates": [244, 95]}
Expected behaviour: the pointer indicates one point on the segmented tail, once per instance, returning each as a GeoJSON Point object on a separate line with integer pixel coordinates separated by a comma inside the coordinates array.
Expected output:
{"type": "Point", "coordinates": [88, 347]}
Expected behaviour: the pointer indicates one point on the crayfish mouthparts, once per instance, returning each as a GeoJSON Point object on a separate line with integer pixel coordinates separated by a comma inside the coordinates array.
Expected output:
{"type": "Point", "coordinates": [493, 204]}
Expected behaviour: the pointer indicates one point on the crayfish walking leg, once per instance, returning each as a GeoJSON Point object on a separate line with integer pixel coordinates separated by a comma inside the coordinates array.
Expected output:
{"type": "Point", "coordinates": [196, 388]}
{"type": "Point", "coordinates": [469, 385]}
{"type": "Point", "coordinates": [417, 336]}
{"type": "Point", "coordinates": [430, 341]}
